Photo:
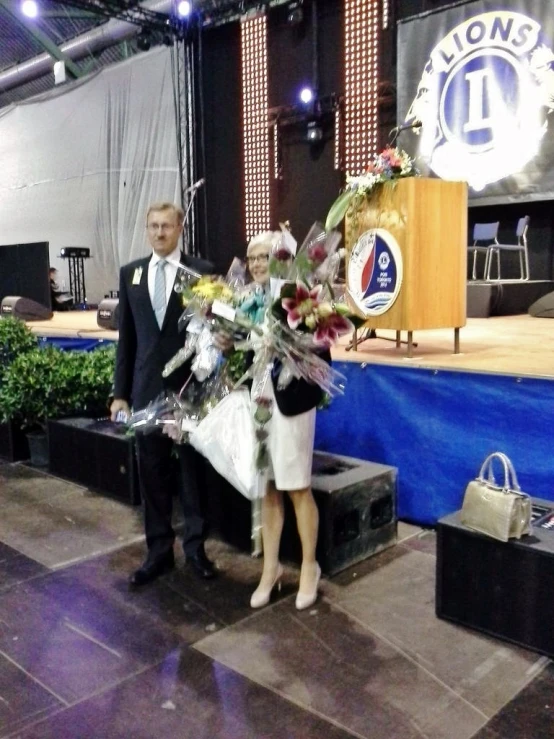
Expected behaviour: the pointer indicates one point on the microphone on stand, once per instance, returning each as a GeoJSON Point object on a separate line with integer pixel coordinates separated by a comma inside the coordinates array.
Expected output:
{"type": "Point", "coordinates": [397, 130]}
{"type": "Point", "coordinates": [195, 186]}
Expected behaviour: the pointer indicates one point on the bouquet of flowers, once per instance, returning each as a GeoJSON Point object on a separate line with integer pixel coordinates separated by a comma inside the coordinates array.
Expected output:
{"type": "Point", "coordinates": [206, 302]}
{"type": "Point", "coordinates": [305, 302]}
{"type": "Point", "coordinates": [390, 164]}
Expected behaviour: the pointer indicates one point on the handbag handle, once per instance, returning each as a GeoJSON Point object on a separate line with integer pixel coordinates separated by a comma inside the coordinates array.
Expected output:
{"type": "Point", "coordinates": [510, 477]}
{"type": "Point", "coordinates": [511, 469]}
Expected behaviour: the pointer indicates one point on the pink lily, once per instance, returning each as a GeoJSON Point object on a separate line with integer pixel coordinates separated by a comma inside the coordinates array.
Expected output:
{"type": "Point", "coordinates": [303, 304]}
{"type": "Point", "coordinates": [317, 254]}
{"type": "Point", "coordinates": [329, 329]}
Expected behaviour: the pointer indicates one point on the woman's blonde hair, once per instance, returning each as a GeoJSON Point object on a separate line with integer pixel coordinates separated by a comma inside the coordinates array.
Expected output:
{"type": "Point", "coordinates": [268, 239]}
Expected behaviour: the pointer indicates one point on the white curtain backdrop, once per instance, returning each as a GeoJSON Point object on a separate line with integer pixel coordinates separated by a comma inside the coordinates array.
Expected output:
{"type": "Point", "coordinates": [81, 164]}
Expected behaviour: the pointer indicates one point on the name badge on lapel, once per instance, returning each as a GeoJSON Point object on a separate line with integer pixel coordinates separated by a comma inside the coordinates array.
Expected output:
{"type": "Point", "coordinates": [137, 275]}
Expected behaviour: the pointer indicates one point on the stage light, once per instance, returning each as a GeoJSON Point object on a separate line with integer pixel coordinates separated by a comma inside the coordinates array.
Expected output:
{"type": "Point", "coordinates": [29, 8]}
{"type": "Point", "coordinates": [314, 132]}
{"type": "Point", "coordinates": [306, 95]}
{"type": "Point", "coordinates": [184, 8]}
{"type": "Point", "coordinates": [295, 15]}
{"type": "Point", "coordinates": [144, 41]}
{"type": "Point", "coordinates": [361, 119]}
{"type": "Point", "coordinates": [255, 131]}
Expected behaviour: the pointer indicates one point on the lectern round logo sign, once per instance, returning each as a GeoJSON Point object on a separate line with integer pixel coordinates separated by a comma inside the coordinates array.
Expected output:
{"type": "Point", "coordinates": [375, 272]}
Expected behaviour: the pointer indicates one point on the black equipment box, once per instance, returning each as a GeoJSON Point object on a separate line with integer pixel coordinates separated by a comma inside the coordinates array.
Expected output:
{"type": "Point", "coordinates": [13, 442]}
{"type": "Point", "coordinates": [97, 454]}
{"type": "Point", "coordinates": [501, 588]}
{"type": "Point", "coordinates": [82, 252]}
{"type": "Point", "coordinates": [357, 512]}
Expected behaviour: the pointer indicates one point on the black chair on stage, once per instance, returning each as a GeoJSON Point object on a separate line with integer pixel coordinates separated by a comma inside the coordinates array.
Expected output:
{"type": "Point", "coordinates": [485, 238]}
{"type": "Point", "coordinates": [520, 248]}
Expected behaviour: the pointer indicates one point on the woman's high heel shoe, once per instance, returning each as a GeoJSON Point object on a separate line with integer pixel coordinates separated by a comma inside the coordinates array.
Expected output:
{"type": "Point", "coordinates": [260, 596]}
{"type": "Point", "coordinates": [307, 599]}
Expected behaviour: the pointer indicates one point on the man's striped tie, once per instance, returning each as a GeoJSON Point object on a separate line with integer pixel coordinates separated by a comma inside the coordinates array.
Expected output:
{"type": "Point", "coordinates": [159, 292]}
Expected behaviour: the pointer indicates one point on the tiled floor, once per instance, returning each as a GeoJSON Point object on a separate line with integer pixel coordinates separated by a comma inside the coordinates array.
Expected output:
{"type": "Point", "coordinates": [82, 657]}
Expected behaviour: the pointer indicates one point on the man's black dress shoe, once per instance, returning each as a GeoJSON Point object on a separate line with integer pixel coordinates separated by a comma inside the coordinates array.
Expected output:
{"type": "Point", "coordinates": [201, 565]}
{"type": "Point", "coordinates": [152, 569]}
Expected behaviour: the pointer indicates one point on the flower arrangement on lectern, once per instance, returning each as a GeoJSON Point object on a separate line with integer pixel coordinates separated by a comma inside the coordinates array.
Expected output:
{"type": "Point", "coordinates": [391, 164]}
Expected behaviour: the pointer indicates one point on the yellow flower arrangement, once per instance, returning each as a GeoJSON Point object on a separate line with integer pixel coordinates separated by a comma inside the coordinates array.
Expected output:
{"type": "Point", "coordinates": [207, 289]}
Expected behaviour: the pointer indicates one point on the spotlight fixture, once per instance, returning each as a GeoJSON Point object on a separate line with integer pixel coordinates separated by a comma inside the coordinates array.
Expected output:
{"type": "Point", "coordinates": [314, 132]}
{"type": "Point", "coordinates": [295, 14]}
{"type": "Point", "coordinates": [144, 41]}
{"type": "Point", "coordinates": [29, 8]}
{"type": "Point", "coordinates": [184, 8]}
{"type": "Point", "coordinates": [306, 95]}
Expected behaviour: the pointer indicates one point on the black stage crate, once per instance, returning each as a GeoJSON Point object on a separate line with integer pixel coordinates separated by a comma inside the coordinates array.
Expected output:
{"type": "Point", "coordinates": [97, 454]}
{"type": "Point", "coordinates": [502, 589]}
{"type": "Point", "coordinates": [357, 509]}
{"type": "Point", "coordinates": [13, 442]}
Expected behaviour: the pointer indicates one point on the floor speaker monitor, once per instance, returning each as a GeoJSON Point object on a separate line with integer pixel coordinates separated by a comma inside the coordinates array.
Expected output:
{"type": "Point", "coordinates": [543, 307]}
{"type": "Point", "coordinates": [25, 309]}
{"type": "Point", "coordinates": [108, 314]}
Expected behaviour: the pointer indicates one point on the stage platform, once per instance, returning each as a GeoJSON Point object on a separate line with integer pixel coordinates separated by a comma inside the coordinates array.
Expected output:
{"type": "Point", "coordinates": [78, 324]}
{"type": "Point", "coordinates": [515, 345]}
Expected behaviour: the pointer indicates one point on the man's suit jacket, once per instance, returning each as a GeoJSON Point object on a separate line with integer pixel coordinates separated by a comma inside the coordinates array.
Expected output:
{"type": "Point", "coordinates": [143, 348]}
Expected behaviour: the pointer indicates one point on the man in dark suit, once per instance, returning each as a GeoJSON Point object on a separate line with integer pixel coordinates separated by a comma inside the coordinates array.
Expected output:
{"type": "Point", "coordinates": [149, 310]}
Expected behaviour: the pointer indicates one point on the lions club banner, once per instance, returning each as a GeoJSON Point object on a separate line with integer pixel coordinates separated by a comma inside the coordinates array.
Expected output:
{"type": "Point", "coordinates": [477, 80]}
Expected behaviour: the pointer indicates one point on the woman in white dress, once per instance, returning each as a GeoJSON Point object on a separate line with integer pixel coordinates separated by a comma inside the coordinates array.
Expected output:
{"type": "Point", "coordinates": [290, 446]}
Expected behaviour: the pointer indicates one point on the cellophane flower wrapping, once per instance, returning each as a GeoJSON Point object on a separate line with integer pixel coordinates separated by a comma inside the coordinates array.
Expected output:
{"type": "Point", "coordinates": [163, 415]}
{"type": "Point", "coordinates": [315, 262]}
{"type": "Point", "coordinates": [226, 437]}
{"type": "Point", "coordinates": [178, 414]}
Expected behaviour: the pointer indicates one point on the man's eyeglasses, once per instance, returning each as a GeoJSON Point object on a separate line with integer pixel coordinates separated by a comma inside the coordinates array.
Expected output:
{"type": "Point", "coordinates": [163, 227]}
{"type": "Point", "coordinates": [262, 258]}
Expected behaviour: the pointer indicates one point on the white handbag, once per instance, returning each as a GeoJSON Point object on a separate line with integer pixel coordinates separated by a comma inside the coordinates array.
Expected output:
{"type": "Point", "coordinates": [501, 511]}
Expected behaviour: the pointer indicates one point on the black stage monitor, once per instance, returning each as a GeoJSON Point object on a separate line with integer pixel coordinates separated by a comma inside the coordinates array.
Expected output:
{"type": "Point", "coordinates": [543, 307]}
{"type": "Point", "coordinates": [24, 308]}
{"type": "Point", "coordinates": [108, 314]}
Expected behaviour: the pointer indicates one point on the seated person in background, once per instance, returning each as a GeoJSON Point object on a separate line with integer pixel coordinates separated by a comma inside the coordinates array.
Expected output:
{"type": "Point", "coordinates": [60, 300]}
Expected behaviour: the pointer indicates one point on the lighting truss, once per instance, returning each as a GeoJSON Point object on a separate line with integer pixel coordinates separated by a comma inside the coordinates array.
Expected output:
{"type": "Point", "coordinates": [131, 12]}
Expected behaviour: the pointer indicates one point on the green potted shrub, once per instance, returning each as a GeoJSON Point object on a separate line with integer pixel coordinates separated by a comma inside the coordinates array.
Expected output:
{"type": "Point", "coordinates": [48, 383]}
{"type": "Point", "coordinates": [15, 339]}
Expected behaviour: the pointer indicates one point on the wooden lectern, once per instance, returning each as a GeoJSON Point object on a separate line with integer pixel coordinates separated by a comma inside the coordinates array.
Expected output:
{"type": "Point", "coordinates": [428, 219]}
